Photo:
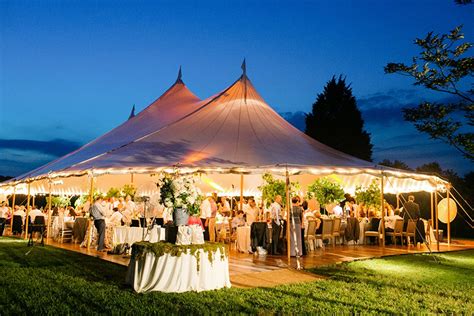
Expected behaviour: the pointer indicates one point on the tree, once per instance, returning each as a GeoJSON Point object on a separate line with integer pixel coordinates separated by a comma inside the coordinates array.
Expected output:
{"type": "Point", "coordinates": [441, 66]}
{"type": "Point", "coordinates": [336, 121]}
{"type": "Point", "coordinates": [395, 164]}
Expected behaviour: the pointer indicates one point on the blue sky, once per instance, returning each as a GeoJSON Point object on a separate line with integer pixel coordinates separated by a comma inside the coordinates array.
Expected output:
{"type": "Point", "coordinates": [71, 70]}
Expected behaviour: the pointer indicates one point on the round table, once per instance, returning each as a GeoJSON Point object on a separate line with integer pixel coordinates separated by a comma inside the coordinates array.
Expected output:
{"type": "Point", "coordinates": [243, 239]}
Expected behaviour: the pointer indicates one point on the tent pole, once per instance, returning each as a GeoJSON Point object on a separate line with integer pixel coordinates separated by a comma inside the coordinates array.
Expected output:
{"type": "Point", "coordinates": [432, 212]}
{"type": "Point", "coordinates": [383, 211]}
{"type": "Point", "coordinates": [49, 213]}
{"type": "Point", "coordinates": [287, 207]}
{"type": "Point", "coordinates": [398, 202]}
{"type": "Point", "coordinates": [436, 215]}
{"type": "Point", "coordinates": [33, 203]}
{"type": "Point", "coordinates": [91, 201]}
{"type": "Point", "coordinates": [449, 213]}
{"type": "Point", "coordinates": [131, 178]}
{"type": "Point", "coordinates": [27, 212]}
{"type": "Point", "coordinates": [13, 210]}
{"type": "Point", "coordinates": [241, 192]}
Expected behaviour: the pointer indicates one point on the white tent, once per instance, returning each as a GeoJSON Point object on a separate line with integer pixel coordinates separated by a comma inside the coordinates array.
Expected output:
{"type": "Point", "coordinates": [232, 133]}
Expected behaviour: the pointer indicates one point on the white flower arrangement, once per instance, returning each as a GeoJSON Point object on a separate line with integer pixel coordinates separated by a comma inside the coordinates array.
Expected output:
{"type": "Point", "coordinates": [180, 191]}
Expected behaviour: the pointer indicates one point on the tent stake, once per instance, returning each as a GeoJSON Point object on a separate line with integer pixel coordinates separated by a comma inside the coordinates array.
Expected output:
{"type": "Point", "coordinates": [27, 219]}
{"type": "Point", "coordinates": [13, 210]}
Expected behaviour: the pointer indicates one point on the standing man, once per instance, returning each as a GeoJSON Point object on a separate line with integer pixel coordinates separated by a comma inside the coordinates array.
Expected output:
{"type": "Point", "coordinates": [206, 212]}
{"type": "Point", "coordinates": [3, 216]}
{"type": "Point", "coordinates": [275, 210]}
{"type": "Point", "coordinates": [98, 213]}
{"type": "Point", "coordinates": [411, 210]}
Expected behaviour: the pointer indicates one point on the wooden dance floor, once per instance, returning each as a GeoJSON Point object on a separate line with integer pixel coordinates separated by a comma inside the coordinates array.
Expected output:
{"type": "Point", "coordinates": [247, 270]}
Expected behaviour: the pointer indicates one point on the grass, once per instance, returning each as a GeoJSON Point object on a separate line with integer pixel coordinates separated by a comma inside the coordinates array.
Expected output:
{"type": "Point", "coordinates": [54, 281]}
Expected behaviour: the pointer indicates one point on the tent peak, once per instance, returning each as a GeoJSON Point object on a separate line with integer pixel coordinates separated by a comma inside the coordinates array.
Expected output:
{"type": "Point", "coordinates": [180, 75]}
{"type": "Point", "coordinates": [132, 113]}
{"type": "Point", "coordinates": [244, 69]}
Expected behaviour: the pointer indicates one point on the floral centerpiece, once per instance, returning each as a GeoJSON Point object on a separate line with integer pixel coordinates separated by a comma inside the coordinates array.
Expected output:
{"type": "Point", "coordinates": [180, 193]}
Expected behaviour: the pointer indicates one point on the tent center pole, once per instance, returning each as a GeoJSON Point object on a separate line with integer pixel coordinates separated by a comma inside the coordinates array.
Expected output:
{"type": "Point", "coordinates": [436, 218]}
{"type": "Point", "coordinates": [449, 213]}
{"type": "Point", "coordinates": [48, 228]}
{"type": "Point", "coordinates": [13, 211]}
{"type": "Point", "coordinates": [241, 202]}
{"type": "Point", "coordinates": [27, 219]}
{"type": "Point", "coordinates": [287, 207]}
{"type": "Point", "coordinates": [383, 210]}
{"type": "Point", "coordinates": [91, 201]}
{"type": "Point", "coordinates": [432, 213]}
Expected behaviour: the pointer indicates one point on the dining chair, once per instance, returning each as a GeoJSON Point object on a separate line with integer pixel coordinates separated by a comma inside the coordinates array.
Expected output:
{"type": "Point", "coordinates": [310, 237]}
{"type": "Point", "coordinates": [397, 231]}
{"type": "Point", "coordinates": [336, 230]}
{"type": "Point", "coordinates": [375, 233]}
{"type": "Point", "coordinates": [65, 233]}
{"type": "Point", "coordinates": [326, 232]}
{"type": "Point", "coordinates": [411, 231]}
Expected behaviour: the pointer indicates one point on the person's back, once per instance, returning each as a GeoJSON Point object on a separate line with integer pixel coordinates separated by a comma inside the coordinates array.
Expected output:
{"type": "Point", "coordinates": [412, 209]}
{"type": "Point", "coordinates": [297, 213]}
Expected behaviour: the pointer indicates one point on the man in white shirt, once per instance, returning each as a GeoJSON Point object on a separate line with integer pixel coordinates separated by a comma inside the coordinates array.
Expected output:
{"type": "Point", "coordinates": [116, 218]}
{"type": "Point", "coordinates": [3, 217]}
{"type": "Point", "coordinates": [275, 210]}
{"type": "Point", "coordinates": [206, 213]}
{"type": "Point", "coordinates": [20, 211]}
{"type": "Point", "coordinates": [35, 212]}
{"type": "Point", "coordinates": [252, 212]}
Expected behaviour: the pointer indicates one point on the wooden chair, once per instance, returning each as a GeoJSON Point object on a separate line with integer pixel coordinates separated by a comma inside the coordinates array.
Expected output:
{"type": "Point", "coordinates": [327, 230]}
{"type": "Point", "coordinates": [65, 233]}
{"type": "Point", "coordinates": [336, 230]}
{"type": "Point", "coordinates": [411, 231]}
{"type": "Point", "coordinates": [375, 233]}
{"type": "Point", "coordinates": [310, 236]}
{"type": "Point", "coordinates": [397, 231]}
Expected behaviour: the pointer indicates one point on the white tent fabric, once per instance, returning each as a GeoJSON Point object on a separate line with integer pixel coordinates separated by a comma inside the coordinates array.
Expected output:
{"type": "Point", "coordinates": [236, 129]}
{"type": "Point", "coordinates": [175, 103]}
{"type": "Point", "coordinates": [231, 133]}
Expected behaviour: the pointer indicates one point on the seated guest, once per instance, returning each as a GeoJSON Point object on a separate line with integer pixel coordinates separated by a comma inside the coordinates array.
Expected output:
{"type": "Point", "coordinates": [35, 212]}
{"type": "Point", "coordinates": [390, 222]}
{"type": "Point", "coordinates": [116, 218]}
{"type": "Point", "coordinates": [3, 217]}
{"type": "Point", "coordinates": [20, 210]}
{"type": "Point", "coordinates": [238, 220]}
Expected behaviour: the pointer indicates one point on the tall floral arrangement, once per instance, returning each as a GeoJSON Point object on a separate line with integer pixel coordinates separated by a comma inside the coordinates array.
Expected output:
{"type": "Point", "coordinates": [180, 191]}
{"type": "Point", "coordinates": [325, 191]}
{"type": "Point", "coordinates": [370, 195]}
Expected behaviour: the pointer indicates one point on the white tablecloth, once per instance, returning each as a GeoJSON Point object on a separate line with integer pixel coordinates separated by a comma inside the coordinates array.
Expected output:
{"type": "Point", "coordinates": [130, 235]}
{"type": "Point", "coordinates": [178, 274]}
{"type": "Point", "coordinates": [243, 239]}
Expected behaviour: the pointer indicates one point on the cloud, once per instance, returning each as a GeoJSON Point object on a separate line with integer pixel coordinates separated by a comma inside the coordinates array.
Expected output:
{"type": "Point", "coordinates": [297, 119]}
{"type": "Point", "coordinates": [21, 155]}
{"type": "Point", "coordinates": [54, 147]}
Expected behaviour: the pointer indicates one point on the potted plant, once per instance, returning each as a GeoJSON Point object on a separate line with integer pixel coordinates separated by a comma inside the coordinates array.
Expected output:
{"type": "Point", "coordinates": [181, 194]}
{"type": "Point", "coordinates": [325, 191]}
{"type": "Point", "coordinates": [273, 187]}
{"type": "Point", "coordinates": [370, 195]}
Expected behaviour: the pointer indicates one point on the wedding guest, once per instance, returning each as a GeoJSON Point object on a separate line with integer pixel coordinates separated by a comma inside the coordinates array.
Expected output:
{"type": "Point", "coordinates": [98, 214]}
{"type": "Point", "coordinates": [35, 212]}
{"type": "Point", "coordinates": [116, 218]}
{"type": "Point", "coordinates": [275, 210]}
{"type": "Point", "coordinates": [223, 206]}
{"type": "Point", "coordinates": [20, 210]}
{"type": "Point", "coordinates": [3, 217]}
{"type": "Point", "coordinates": [238, 220]}
{"type": "Point", "coordinates": [295, 227]}
{"type": "Point", "coordinates": [252, 212]}
{"type": "Point", "coordinates": [206, 211]}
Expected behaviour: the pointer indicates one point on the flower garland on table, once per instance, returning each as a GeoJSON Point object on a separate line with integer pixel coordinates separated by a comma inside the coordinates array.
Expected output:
{"type": "Point", "coordinates": [180, 191]}
{"type": "Point", "coordinates": [140, 249]}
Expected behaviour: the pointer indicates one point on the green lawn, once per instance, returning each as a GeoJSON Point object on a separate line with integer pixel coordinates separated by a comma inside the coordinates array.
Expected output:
{"type": "Point", "coordinates": [55, 281]}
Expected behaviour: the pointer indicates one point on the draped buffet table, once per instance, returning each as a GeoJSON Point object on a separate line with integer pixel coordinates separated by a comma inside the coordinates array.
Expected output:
{"type": "Point", "coordinates": [131, 235]}
{"type": "Point", "coordinates": [167, 267]}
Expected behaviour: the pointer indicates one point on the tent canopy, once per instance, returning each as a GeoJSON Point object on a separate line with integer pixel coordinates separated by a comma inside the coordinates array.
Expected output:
{"type": "Point", "coordinates": [233, 132]}
{"type": "Point", "coordinates": [175, 103]}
